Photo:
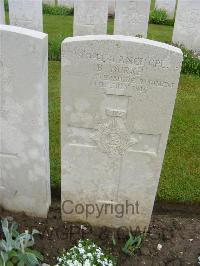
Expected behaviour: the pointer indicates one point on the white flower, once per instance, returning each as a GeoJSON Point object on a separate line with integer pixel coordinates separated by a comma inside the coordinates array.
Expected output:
{"type": "Point", "coordinates": [159, 247]}
{"type": "Point", "coordinates": [81, 250]}
{"type": "Point", "coordinates": [87, 263]}
{"type": "Point", "coordinates": [77, 263]}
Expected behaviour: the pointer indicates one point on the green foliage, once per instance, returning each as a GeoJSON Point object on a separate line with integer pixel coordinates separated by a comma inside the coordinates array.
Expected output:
{"type": "Point", "coordinates": [133, 244]}
{"type": "Point", "coordinates": [191, 62]}
{"type": "Point", "coordinates": [86, 253]}
{"type": "Point", "coordinates": [55, 48]}
{"type": "Point", "coordinates": [114, 240]}
{"type": "Point", "coordinates": [159, 16]}
{"type": "Point", "coordinates": [15, 247]}
{"type": "Point", "coordinates": [57, 10]}
{"type": "Point", "coordinates": [6, 5]}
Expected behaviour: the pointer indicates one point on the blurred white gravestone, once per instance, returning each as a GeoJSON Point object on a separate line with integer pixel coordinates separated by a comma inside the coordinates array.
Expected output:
{"type": "Point", "coordinates": [24, 138]}
{"type": "Point", "coordinates": [90, 17]}
{"type": "Point", "coordinates": [131, 17]}
{"type": "Point", "coordinates": [118, 95]}
{"type": "Point", "coordinates": [2, 12]}
{"type": "Point", "coordinates": [49, 2]}
{"type": "Point", "coordinates": [111, 7]}
{"type": "Point", "coordinates": [26, 14]}
{"type": "Point", "coordinates": [67, 3]}
{"type": "Point", "coordinates": [168, 5]}
{"type": "Point", "coordinates": [187, 25]}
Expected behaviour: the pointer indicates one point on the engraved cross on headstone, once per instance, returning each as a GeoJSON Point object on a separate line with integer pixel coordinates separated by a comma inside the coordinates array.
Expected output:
{"type": "Point", "coordinates": [111, 135]}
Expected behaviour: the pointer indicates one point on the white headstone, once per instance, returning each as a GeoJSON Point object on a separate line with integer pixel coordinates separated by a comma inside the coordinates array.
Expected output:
{"type": "Point", "coordinates": [168, 5]}
{"type": "Point", "coordinates": [67, 3]}
{"type": "Point", "coordinates": [131, 17]}
{"type": "Point", "coordinates": [49, 2]}
{"type": "Point", "coordinates": [187, 24]}
{"type": "Point", "coordinates": [118, 95]}
{"type": "Point", "coordinates": [111, 7]}
{"type": "Point", "coordinates": [24, 146]}
{"type": "Point", "coordinates": [2, 12]}
{"type": "Point", "coordinates": [26, 14]}
{"type": "Point", "coordinates": [90, 17]}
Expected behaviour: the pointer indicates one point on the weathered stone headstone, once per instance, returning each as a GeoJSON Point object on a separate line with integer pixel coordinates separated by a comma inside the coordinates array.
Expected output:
{"type": "Point", "coordinates": [118, 95]}
{"type": "Point", "coordinates": [26, 14]}
{"type": "Point", "coordinates": [2, 12]}
{"type": "Point", "coordinates": [67, 3]}
{"type": "Point", "coordinates": [168, 5]}
{"type": "Point", "coordinates": [187, 24]}
{"type": "Point", "coordinates": [24, 147]}
{"type": "Point", "coordinates": [111, 7]}
{"type": "Point", "coordinates": [49, 2]}
{"type": "Point", "coordinates": [131, 17]}
{"type": "Point", "coordinates": [90, 17]}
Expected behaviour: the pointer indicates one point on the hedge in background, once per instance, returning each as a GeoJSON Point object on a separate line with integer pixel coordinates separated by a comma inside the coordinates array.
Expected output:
{"type": "Point", "coordinates": [57, 10]}
{"type": "Point", "coordinates": [191, 62]}
{"type": "Point", "coordinates": [159, 16]}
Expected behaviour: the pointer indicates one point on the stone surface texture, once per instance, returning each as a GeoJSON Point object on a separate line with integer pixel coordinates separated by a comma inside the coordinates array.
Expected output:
{"type": "Point", "coordinates": [24, 137]}
{"type": "Point", "coordinates": [90, 17]}
{"type": "Point", "coordinates": [168, 5]}
{"type": "Point", "coordinates": [118, 95]}
{"type": "Point", "coordinates": [187, 24]}
{"type": "Point", "coordinates": [26, 14]}
{"type": "Point", "coordinates": [67, 3]}
{"type": "Point", "coordinates": [2, 12]}
{"type": "Point", "coordinates": [49, 2]}
{"type": "Point", "coordinates": [111, 7]}
{"type": "Point", "coordinates": [131, 17]}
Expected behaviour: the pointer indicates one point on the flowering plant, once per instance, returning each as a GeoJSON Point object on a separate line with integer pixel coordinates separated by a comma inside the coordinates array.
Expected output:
{"type": "Point", "coordinates": [85, 253]}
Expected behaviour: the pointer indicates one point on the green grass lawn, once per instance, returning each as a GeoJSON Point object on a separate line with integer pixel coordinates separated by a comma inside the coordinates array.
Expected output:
{"type": "Point", "coordinates": [63, 26]}
{"type": "Point", "coordinates": [180, 180]}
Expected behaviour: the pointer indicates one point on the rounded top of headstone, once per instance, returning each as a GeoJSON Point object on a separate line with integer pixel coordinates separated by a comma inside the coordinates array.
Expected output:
{"type": "Point", "coordinates": [23, 31]}
{"type": "Point", "coordinates": [123, 38]}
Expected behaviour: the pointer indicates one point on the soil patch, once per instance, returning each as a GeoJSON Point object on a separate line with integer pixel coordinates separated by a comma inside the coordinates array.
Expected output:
{"type": "Point", "coordinates": [177, 235]}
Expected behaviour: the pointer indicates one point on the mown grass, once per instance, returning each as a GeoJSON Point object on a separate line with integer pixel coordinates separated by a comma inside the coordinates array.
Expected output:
{"type": "Point", "coordinates": [63, 26]}
{"type": "Point", "coordinates": [180, 179]}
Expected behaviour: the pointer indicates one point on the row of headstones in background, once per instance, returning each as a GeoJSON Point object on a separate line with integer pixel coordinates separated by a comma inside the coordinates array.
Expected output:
{"type": "Point", "coordinates": [90, 17]}
{"type": "Point", "coordinates": [24, 133]}
{"type": "Point", "coordinates": [70, 4]}
{"type": "Point", "coordinates": [118, 94]}
{"type": "Point", "coordinates": [131, 17]}
{"type": "Point", "coordinates": [168, 5]}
